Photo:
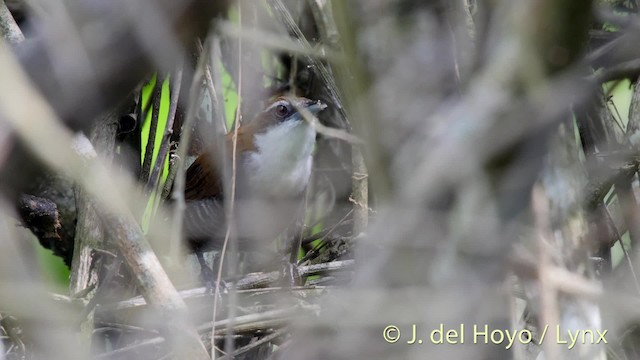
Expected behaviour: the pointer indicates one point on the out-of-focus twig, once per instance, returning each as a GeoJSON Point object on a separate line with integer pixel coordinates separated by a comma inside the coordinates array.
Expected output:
{"type": "Point", "coordinates": [195, 96]}
{"type": "Point", "coordinates": [230, 240]}
{"type": "Point", "coordinates": [86, 264]}
{"type": "Point", "coordinates": [176, 82]}
{"type": "Point", "coordinates": [255, 344]}
{"type": "Point", "coordinates": [39, 129]}
{"type": "Point", "coordinates": [211, 86]}
{"type": "Point", "coordinates": [153, 127]}
{"type": "Point", "coordinates": [9, 29]}
{"type": "Point", "coordinates": [360, 173]}
{"type": "Point", "coordinates": [256, 281]}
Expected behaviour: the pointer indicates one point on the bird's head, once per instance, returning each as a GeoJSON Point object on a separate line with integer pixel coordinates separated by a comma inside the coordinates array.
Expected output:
{"type": "Point", "coordinates": [282, 142]}
{"type": "Point", "coordinates": [274, 150]}
{"type": "Point", "coordinates": [285, 111]}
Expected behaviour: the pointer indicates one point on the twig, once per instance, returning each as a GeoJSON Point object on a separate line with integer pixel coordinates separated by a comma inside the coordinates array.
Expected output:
{"type": "Point", "coordinates": [360, 174]}
{"type": "Point", "coordinates": [332, 266]}
{"type": "Point", "coordinates": [168, 185]}
{"type": "Point", "coordinates": [195, 96]}
{"type": "Point", "coordinates": [273, 41]}
{"type": "Point", "coordinates": [9, 29]}
{"type": "Point", "coordinates": [325, 130]}
{"type": "Point", "coordinates": [628, 69]}
{"type": "Point", "coordinates": [253, 320]}
{"type": "Point", "coordinates": [323, 233]}
{"type": "Point", "coordinates": [359, 192]}
{"type": "Point", "coordinates": [124, 350]}
{"type": "Point", "coordinates": [255, 282]}
{"type": "Point", "coordinates": [549, 312]}
{"type": "Point", "coordinates": [625, 251]}
{"type": "Point", "coordinates": [245, 323]}
{"type": "Point", "coordinates": [50, 142]}
{"type": "Point", "coordinates": [176, 82]}
{"type": "Point", "coordinates": [90, 236]}
{"type": "Point", "coordinates": [213, 94]}
{"type": "Point", "coordinates": [313, 251]}
{"type": "Point", "coordinates": [230, 218]}
{"type": "Point", "coordinates": [254, 345]}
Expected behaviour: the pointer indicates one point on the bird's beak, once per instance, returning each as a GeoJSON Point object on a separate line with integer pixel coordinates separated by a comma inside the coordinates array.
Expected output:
{"type": "Point", "coordinates": [315, 107]}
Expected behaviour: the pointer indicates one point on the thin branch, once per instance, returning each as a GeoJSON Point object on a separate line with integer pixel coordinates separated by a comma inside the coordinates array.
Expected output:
{"type": "Point", "coordinates": [195, 97]}
{"type": "Point", "coordinates": [213, 94]}
{"type": "Point", "coordinates": [261, 281]}
{"type": "Point", "coordinates": [360, 174]}
{"type": "Point", "coordinates": [254, 345]}
{"type": "Point", "coordinates": [48, 140]}
{"type": "Point", "coordinates": [625, 70]}
{"type": "Point", "coordinates": [229, 215]}
{"type": "Point", "coordinates": [625, 251]}
{"type": "Point", "coordinates": [176, 82]}
{"type": "Point", "coordinates": [9, 29]}
{"type": "Point", "coordinates": [153, 127]}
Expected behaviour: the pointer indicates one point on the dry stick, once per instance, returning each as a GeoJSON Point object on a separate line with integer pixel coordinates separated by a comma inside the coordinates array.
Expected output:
{"type": "Point", "coordinates": [49, 141]}
{"type": "Point", "coordinates": [254, 345]}
{"type": "Point", "coordinates": [213, 94]}
{"type": "Point", "coordinates": [273, 41]}
{"type": "Point", "coordinates": [176, 82]}
{"type": "Point", "coordinates": [195, 96]}
{"type": "Point", "coordinates": [359, 192]}
{"type": "Point", "coordinates": [261, 281]}
{"type": "Point", "coordinates": [89, 234]}
{"type": "Point", "coordinates": [625, 251]}
{"type": "Point", "coordinates": [297, 240]}
{"type": "Point", "coordinates": [229, 215]}
{"type": "Point", "coordinates": [323, 233]}
{"type": "Point", "coordinates": [9, 29]}
{"type": "Point", "coordinates": [313, 251]}
{"type": "Point", "coordinates": [257, 321]}
{"type": "Point", "coordinates": [151, 140]}
{"type": "Point", "coordinates": [216, 63]}
{"type": "Point", "coordinates": [166, 190]}
{"type": "Point", "coordinates": [548, 292]}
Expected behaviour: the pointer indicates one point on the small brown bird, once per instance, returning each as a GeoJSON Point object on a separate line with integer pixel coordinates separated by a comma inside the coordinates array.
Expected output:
{"type": "Point", "coordinates": [274, 160]}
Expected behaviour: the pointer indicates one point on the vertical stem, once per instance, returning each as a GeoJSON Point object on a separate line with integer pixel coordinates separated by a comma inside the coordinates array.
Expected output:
{"type": "Point", "coordinates": [359, 192]}
{"type": "Point", "coordinates": [148, 154]}
{"type": "Point", "coordinates": [176, 82]}
{"type": "Point", "coordinates": [229, 209]}
{"type": "Point", "coordinates": [85, 265]}
{"type": "Point", "coordinates": [9, 29]}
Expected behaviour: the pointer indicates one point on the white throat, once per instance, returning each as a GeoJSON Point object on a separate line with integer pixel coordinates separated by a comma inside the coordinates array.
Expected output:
{"type": "Point", "coordinates": [281, 164]}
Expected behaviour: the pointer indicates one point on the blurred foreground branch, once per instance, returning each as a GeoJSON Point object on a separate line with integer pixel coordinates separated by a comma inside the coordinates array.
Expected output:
{"type": "Point", "coordinates": [151, 279]}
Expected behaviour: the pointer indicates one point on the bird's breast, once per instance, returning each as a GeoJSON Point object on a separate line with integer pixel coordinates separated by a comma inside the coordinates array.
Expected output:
{"type": "Point", "coordinates": [281, 164]}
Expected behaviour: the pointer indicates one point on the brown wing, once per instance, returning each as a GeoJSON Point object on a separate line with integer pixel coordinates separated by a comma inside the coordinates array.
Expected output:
{"type": "Point", "coordinates": [203, 179]}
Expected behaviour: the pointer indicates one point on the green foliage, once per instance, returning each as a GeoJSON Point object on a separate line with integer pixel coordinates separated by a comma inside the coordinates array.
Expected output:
{"type": "Point", "coordinates": [147, 94]}
{"type": "Point", "coordinates": [52, 267]}
{"type": "Point", "coordinates": [620, 93]}
{"type": "Point", "coordinates": [617, 253]}
{"type": "Point", "coordinates": [230, 95]}
{"type": "Point", "coordinates": [165, 99]}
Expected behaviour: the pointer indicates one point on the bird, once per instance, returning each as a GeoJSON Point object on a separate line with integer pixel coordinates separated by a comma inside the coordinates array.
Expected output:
{"type": "Point", "coordinates": [274, 158]}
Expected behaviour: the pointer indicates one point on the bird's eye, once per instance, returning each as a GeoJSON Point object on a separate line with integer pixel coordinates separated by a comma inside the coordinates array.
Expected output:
{"type": "Point", "coordinates": [282, 110]}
